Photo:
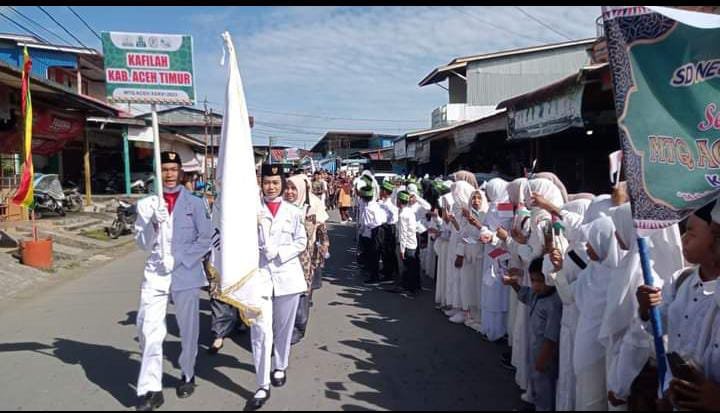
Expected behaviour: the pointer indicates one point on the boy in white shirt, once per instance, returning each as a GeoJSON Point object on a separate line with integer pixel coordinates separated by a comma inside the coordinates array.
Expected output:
{"type": "Point", "coordinates": [407, 229]}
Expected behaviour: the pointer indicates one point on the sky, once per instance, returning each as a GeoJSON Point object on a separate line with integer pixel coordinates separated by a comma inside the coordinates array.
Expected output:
{"type": "Point", "coordinates": [307, 70]}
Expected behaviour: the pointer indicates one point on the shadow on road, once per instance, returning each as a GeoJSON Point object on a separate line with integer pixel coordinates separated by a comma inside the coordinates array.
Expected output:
{"type": "Point", "coordinates": [416, 359]}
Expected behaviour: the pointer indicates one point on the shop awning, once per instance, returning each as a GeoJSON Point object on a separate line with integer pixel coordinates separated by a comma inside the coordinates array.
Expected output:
{"type": "Point", "coordinates": [550, 109]}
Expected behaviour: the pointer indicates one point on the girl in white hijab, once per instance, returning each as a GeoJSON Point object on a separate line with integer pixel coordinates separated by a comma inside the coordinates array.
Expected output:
{"type": "Point", "coordinates": [461, 191]}
{"type": "Point", "coordinates": [590, 293]}
{"type": "Point", "coordinates": [628, 344]}
{"type": "Point", "coordinates": [495, 295]}
{"type": "Point", "coordinates": [518, 334]}
{"type": "Point", "coordinates": [471, 271]}
{"type": "Point", "coordinates": [575, 259]}
{"type": "Point", "coordinates": [441, 249]}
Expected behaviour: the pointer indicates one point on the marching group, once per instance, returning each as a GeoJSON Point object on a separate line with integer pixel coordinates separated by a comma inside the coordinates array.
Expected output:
{"type": "Point", "coordinates": [558, 277]}
{"type": "Point", "coordinates": [176, 229]}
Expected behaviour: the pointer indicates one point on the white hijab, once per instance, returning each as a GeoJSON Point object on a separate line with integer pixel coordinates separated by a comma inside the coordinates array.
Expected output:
{"type": "Point", "coordinates": [591, 293]}
{"type": "Point", "coordinates": [575, 236]}
{"type": "Point", "coordinates": [496, 191]}
{"type": "Point", "coordinates": [665, 249]}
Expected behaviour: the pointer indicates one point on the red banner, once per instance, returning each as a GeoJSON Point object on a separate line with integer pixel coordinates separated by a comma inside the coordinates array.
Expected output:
{"type": "Point", "coordinates": [51, 131]}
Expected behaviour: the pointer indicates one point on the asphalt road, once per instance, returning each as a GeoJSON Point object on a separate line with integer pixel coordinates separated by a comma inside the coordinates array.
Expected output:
{"type": "Point", "coordinates": [73, 346]}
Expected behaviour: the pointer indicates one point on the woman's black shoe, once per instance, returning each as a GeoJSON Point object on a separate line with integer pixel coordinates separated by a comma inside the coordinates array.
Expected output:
{"type": "Point", "coordinates": [278, 382]}
{"type": "Point", "coordinates": [258, 402]}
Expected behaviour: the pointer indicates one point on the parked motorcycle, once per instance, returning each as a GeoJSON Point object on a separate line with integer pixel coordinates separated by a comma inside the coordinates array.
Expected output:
{"type": "Point", "coordinates": [124, 220]}
{"type": "Point", "coordinates": [73, 201]}
{"type": "Point", "coordinates": [48, 195]}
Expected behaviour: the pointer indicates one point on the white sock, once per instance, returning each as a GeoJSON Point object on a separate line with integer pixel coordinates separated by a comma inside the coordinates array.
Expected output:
{"type": "Point", "coordinates": [279, 374]}
{"type": "Point", "coordinates": [265, 392]}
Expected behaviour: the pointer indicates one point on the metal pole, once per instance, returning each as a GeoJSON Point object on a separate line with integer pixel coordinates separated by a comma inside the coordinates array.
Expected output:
{"type": "Point", "coordinates": [207, 171]}
{"type": "Point", "coordinates": [156, 148]}
{"type": "Point", "coordinates": [654, 312]}
{"type": "Point", "coordinates": [212, 145]}
{"type": "Point", "coordinates": [126, 159]}
{"type": "Point", "coordinates": [270, 140]}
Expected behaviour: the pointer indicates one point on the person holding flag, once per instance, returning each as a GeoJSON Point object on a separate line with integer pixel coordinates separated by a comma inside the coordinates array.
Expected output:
{"type": "Point", "coordinates": [176, 231]}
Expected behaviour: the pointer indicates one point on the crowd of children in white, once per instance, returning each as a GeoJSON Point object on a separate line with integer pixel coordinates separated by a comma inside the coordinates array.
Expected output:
{"type": "Point", "coordinates": [559, 277]}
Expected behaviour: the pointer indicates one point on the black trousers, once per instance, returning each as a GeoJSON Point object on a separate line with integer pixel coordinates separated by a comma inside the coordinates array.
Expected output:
{"type": "Point", "coordinates": [388, 239]}
{"type": "Point", "coordinates": [224, 319]}
{"type": "Point", "coordinates": [411, 271]}
{"type": "Point", "coordinates": [369, 257]}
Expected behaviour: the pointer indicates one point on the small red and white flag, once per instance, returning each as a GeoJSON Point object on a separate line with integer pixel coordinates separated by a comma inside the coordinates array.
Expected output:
{"type": "Point", "coordinates": [497, 253]}
{"type": "Point", "coordinates": [505, 210]}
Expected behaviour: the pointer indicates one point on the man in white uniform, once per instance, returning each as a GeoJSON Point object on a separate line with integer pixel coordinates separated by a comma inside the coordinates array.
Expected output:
{"type": "Point", "coordinates": [282, 237]}
{"type": "Point", "coordinates": [176, 230]}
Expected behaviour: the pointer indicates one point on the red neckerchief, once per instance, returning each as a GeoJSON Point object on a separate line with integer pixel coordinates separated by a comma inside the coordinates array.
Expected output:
{"type": "Point", "coordinates": [170, 199]}
{"type": "Point", "coordinates": [273, 207]}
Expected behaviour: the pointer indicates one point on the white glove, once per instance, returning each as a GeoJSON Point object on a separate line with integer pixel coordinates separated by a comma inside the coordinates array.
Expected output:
{"type": "Point", "coordinates": [161, 214]}
{"type": "Point", "coordinates": [168, 263]}
{"type": "Point", "coordinates": [270, 252]}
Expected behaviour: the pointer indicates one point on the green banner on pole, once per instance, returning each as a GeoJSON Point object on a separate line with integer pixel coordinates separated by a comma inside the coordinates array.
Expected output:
{"type": "Point", "coordinates": [666, 78]}
{"type": "Point", "coordinates": [148, 68]}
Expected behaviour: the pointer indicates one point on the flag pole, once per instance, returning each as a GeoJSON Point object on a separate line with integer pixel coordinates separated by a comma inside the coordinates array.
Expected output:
{"type": "Point", "coordinates": [158, 175]}
{"type": "Point", "coordinates": [654, 312]}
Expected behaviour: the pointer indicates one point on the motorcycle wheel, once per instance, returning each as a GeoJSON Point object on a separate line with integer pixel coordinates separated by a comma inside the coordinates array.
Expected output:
{"type": "Point", "coordinates": [74, 204]}
{"type": "Point", "coordinates": [60, 210]}
{"type": "Point", "coordinates": [115, 229]}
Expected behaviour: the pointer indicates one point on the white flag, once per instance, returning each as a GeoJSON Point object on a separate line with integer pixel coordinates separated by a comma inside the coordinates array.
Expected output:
{"type": "Point", "coordinates": [235, 251]}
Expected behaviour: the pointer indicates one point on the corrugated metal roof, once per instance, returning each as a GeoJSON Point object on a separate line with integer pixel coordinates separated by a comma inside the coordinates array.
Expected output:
{"type": "Point", "coordinates": [460, 63]}
{"type": "Point", "coordinates": [552, 88]}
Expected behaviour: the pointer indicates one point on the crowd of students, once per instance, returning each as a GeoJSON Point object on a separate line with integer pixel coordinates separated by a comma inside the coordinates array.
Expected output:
{"type": "Point", "coordinates": [558, 277]}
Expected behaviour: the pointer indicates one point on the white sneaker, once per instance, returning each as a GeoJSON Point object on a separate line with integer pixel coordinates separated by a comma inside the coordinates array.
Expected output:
{"type": "Point", "coordinates": [458, 318]}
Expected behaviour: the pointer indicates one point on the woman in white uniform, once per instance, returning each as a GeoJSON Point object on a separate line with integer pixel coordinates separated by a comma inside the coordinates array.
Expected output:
{"type": "Point", "coordinates": [282, 238]}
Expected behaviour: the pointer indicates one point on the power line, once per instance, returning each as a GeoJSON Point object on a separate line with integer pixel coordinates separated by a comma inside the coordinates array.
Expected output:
{"type": "Point", "coordinates": [552, 29]}
{"type": "Point", "coordinates": [36, 24]}
{"type": "Point", "coordinates": [307, 115]}
{"type": "Point", "coordinates": [63, 27]}
{"type": "Point", "coordinates": [498, 27]}
{"type": "Point", "coordinates": [24, 28]}
{"type": "Point", "coordinates": [85, 23]}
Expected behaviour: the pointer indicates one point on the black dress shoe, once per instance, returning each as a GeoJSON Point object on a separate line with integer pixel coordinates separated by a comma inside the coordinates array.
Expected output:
{"type": "Point", "coordinates": [150, 401]}
{"type": "Point", "coordinates": [185, 388]}
{"type": "Point", "coordinates": [278, 382]}
{"type": "Point", "coordinates": [258, 402]}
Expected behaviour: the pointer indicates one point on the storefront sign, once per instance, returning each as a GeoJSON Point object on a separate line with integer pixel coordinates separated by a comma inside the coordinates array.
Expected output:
{"type": "Point", "coordinates": [140, 134]}
{"type": "Point", "coordinates": [554, 115]}
{"type": "Point", "coordinates": [666, 75]}
{"type": "Point", "coordinates": [149, 68]}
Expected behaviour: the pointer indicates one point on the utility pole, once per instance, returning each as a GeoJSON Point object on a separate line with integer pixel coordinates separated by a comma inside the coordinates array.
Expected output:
{"type": "Point", "coordinates": [212, 144]}
{"type": "Point", "coordinates": [207, 167]}
{"type": "Point", "coordinates": [270, 142]}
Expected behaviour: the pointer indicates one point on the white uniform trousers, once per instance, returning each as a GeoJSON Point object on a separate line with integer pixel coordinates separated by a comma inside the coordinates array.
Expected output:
{"type": "Point", "coordinates": [274, 327]}
{"type": "Point", "coordinates": [152, 330]}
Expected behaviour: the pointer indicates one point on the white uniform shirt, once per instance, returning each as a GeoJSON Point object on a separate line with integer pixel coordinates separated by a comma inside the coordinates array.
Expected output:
{"type": "Point", "coordinates": [390, 210]}
{"type": "Point", "coordinates": [407, 228]}
{"type": "Point", "coordinates": [684, 311]}
{"type": "Point", "coordinates": [186, 236]}
{"type": "Point", "coordinates": [285, 235]}
{"type": "Point", "coordinates": [372, 217]}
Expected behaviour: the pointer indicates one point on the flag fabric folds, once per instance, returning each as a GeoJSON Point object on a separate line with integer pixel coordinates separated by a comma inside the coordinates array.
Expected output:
{"type": "Point", "coordinates": [235, 254]}
{"type": "Point", "coordinates": [24, 194]}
